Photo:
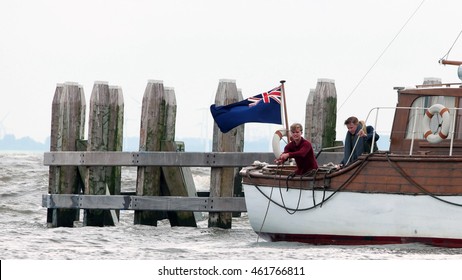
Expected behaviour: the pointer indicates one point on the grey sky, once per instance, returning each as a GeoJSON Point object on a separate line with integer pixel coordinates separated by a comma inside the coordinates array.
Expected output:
{"type": "Point", "coordinates": [191, 45]}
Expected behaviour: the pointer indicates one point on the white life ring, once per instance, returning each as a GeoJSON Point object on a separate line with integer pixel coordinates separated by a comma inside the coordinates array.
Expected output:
{"type": "Point", "coordinates": [444, 132]}
{"type": "Point", "coordinates": [277, 137]}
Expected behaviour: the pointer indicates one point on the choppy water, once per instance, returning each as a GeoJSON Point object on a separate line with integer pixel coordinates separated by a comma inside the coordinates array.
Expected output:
{"type": "Point", "coordinates": [24, 234]}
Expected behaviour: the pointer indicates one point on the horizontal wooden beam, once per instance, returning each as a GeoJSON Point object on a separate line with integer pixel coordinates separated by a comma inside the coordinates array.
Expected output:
{"type": "Point", "coordinates": [191, 159]}
{"type": "Point", "coordinates": [450, 62]}
{"type": "Point", "coordinates": [157, 203]}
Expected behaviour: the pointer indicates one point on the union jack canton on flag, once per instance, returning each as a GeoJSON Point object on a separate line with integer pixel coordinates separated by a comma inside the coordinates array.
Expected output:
{"type": "Point", "coordinates": [261, 108]}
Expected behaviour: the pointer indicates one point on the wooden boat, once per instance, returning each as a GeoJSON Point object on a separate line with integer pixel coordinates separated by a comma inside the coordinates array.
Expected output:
{"type": "Point", "coordinates": [410, 193]}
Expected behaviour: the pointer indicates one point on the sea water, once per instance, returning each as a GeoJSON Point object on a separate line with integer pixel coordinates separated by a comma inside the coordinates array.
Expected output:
{"type": "Point", "coordinates": [24, 234]}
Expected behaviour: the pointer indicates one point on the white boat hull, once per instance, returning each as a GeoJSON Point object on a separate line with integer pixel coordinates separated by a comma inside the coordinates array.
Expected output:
{"type": "Point", "coordinates": [280, 214]}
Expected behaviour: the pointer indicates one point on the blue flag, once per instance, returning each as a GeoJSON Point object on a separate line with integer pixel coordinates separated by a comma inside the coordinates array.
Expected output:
{"type": "Point", "coordinates": [261, 108]}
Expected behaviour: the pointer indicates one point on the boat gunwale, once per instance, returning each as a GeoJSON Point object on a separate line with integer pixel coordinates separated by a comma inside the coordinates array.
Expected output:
{"type": "Point", "coordinates": [344, 179]}
{"type": "Point", "coordinates": [287, 170]}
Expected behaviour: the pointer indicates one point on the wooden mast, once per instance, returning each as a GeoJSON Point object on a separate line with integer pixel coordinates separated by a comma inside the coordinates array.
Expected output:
{"type": "Point", "coordinates": [285, 110]}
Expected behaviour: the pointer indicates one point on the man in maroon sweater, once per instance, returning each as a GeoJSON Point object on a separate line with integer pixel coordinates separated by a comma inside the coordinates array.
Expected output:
{"type": "Point", "coordinates": [300, 149]}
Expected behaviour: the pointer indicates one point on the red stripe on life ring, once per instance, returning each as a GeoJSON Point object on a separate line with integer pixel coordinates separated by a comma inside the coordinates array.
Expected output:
{"type": "Point", "coordinates": [442, 135]}
{"type": "Point", "coordinates": [429, 115]}
{"type": "Point", "coordinates": [428, 133]}
{"type": "Point", "coordinates": [279, 134]}
{"type": "Point", "coordinates": [444, 110]}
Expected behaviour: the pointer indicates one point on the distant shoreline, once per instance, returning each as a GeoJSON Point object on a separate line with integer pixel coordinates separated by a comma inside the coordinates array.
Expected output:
{"type": "Point", "coordinates": [9, 143]}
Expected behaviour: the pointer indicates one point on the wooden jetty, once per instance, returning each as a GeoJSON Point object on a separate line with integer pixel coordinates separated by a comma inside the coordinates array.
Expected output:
{"type": "Point", "coordinates": [86, 174]}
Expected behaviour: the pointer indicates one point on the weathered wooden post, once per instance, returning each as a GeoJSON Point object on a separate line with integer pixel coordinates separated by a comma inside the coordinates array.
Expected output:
{"type": "Point", "coordinates": [153, 114]}
{"type": "Point", "coordinates": [176, 181]}
{"type": "Point", "coordinates": [67, 127]}
{"type": "Point", "coordinates": [170, 111]}
{"type": "Point", "coordinates": [321, 120]}
{"type": "Point", "coordinates": [432, 81]}
{"type": "Point", "coordinates": [309, 118]}
{"type": "Point", "coordinates": [105, 133]}
{"type": "Point", "coordinates": [115, 137]}
{"type": "Point", "coordinates": [238, 191]}
{"type": "Point", "coordinates": [222, 179]}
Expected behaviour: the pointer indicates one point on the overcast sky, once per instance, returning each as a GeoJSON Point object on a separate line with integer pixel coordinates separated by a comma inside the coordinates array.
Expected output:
{"type": "Point", "coordinates": [191, 45]}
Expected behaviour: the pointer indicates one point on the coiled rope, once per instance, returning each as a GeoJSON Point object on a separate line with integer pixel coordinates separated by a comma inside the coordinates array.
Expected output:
{"type": "Point", "coordinates": [325, 199]}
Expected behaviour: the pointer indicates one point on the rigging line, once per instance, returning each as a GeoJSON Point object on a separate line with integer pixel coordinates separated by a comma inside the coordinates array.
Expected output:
{"type": "Point", "coordinates": [380, 56]}
{"type": "Point", "coordinates": [266, 213]}
{"type": "Point", "coordinates": [267, 206]}
{"type": "Point", "coordinates": [415, 184]}
{"type": "Point", "coordinates": [447, 54]}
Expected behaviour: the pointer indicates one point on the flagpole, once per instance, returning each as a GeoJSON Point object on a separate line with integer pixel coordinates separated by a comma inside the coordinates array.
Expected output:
{"type": "Point", "coordinates": [285, 109]}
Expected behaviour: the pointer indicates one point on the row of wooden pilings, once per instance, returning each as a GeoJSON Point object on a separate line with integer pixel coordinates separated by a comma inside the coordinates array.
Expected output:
{"type": "Point", "coordinates": [157, 134]}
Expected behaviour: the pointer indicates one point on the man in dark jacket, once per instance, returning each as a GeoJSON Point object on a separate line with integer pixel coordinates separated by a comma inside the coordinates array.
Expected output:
{"type": "Point", "coordinates": [357, 140]}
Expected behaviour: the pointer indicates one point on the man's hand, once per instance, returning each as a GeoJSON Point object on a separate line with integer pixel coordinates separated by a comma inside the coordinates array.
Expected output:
{"type": "Point", "coordinates": [282, 158]}
{"type": "Point", "coordinates": [361, 133]}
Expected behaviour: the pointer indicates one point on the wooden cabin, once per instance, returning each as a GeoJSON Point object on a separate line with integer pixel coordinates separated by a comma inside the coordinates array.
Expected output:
{"type": "Point", "coordinates": [409, 120]}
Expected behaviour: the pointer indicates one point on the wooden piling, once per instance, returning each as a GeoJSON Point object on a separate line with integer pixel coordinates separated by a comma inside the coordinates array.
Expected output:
{"type": "Point", "coordinates": [222, 179]}
{"type": "Point", "coordinates": [105, 133]}
{"type": "Point", "coordinates": [432, 81]}
{"type": "Point", "coordinates": [170, 113]}
{"type": "Point", "coordinates": [176, 180]}
{"type": "Point", "coordinates": [115, 136]}
{"type": "Point", "coordinates": [153, 114]}
{"type": "Point", "coordinates": [89, 170]}
{"type": "Point", "coordinates": [321, 115]}
{"type": "Point", "coordinates": [238, 190]}
{"type": "Point", "coordinates": [309, 118]}
{"type": "Point", "coordinates": [67, 127]}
